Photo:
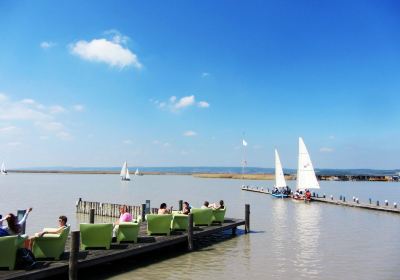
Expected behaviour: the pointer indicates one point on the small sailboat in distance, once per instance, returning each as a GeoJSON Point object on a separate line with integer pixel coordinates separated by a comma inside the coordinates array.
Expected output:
{"type": "Point", "coordinates": [125, 172]}
{"type": "Point", "coordinates": [137, 173]}
{"type": "Point", "coordinates": [3, 170]}
{"type": "Point", "coordinates": [306, 178]}
{"type": "Point", "coordinates": [281, 189]}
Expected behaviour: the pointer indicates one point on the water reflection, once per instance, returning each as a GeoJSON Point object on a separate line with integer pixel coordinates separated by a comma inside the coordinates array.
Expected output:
{"type": "Point", "coordinates": [280, 235]}
{"type": "Point", "coordinates": [306, 235]}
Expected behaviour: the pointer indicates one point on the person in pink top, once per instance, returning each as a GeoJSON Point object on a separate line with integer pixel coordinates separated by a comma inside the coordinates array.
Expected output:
{"type": "Point", "coordinates": [125, 215]}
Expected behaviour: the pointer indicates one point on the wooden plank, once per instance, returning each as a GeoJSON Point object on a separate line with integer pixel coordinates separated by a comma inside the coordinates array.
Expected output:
{"type": "Point", "coordinates": [91, 258]}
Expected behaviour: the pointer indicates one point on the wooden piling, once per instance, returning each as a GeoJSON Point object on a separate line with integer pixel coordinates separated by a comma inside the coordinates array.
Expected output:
{"type": "Point", "coordinates": [190, 232]}
{"type": "Point", "coordinates": [91, 216]}
{"type": "Point", "coordinates": [73, 256]}
{"type": "Point", "coordinates": [143, 213]}
{"type": "Point", "coordinates": [247, 218]}
{"type": "Point", "coordinates": [180, 203]}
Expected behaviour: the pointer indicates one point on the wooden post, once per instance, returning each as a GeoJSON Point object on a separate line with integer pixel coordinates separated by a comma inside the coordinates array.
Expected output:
{"type": "Point", "coordinates": [91, 216]}
{"type": "Point", "coordinates": [344, 199]}
{"type": "Point", "coordinates": [143, 212]}
{"type": "Point", "coordinates": [247, 218]}
{"type": "Point", "coordinates": [147, 206]}
{"type": "Point", "coordinates": [180, 205]}
{"type": "Point", "coordinates": [370, 201]}
{"type": "Point", "coordinates": [190, 232]}
{"type": "Point", "coordinates": [377, 203]}
{"type": "Point", "coordinates": [73, 256]}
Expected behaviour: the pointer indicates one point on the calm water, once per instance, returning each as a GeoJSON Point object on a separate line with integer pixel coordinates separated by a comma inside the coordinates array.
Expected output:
{"type": "Point", "coordinates": [290, 240]}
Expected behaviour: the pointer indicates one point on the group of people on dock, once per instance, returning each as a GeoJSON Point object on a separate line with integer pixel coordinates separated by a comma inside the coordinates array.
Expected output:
{"type": "Point", "coordinates": [186, 207]}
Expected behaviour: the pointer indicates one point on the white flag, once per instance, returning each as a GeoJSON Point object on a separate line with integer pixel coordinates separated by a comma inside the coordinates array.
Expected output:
{"type": "Point", "coordinates": [244, 143]}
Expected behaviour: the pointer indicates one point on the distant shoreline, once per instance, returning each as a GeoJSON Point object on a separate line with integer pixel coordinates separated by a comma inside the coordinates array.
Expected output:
{"type": "Point", "coordinates": [213, 175]}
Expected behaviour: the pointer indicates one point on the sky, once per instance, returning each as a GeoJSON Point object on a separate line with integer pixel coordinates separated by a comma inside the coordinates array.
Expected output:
{"type": "Point", "coordinates": [181, 83]}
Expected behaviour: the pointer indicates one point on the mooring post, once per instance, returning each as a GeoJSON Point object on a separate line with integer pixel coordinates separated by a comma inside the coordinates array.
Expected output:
{"type": "Point", "coordinates": [73, 256]}
{"type": "Point", "coordinates": [377, 203]}
{"type": "Point", "coordinates": [147, 206]}
{"type": "Point", "coordinates": [144, 212]}
{"type": "Point", "coordinates": [190, 232]}
{"type": "Point", "coordinates": [340, 198]}
{"type": "Point", "coordinates": [91, 216]}
{"type": "Point", "coordinates": [180, 203]}
{"type": "Point", "coordinates": [370, 201]}
{"type": "Point", "coordinates": [247, 218]}
{"type": "Point", "coordinates": [344, 199]}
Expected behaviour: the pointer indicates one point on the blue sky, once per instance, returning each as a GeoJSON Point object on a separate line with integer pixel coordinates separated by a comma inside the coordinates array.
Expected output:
{"type": "Point", "coordinates": [176, 83]}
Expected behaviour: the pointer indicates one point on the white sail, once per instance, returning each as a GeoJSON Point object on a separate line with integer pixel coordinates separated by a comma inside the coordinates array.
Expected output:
{"type": "Point", "coordinates": [279, 176]}
{"type": "Point", "coordinates": [306, 178]}
{"type": "Point", "coordinates": [3, 169]}
{"type": "Point", "coordinates": [125, 172]}
{"type": "Point", "coordinates": [137, 172]}
{"type": "Point", "coordinates": [123, 169]}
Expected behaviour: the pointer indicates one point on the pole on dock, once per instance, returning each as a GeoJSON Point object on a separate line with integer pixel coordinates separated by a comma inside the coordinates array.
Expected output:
{"type": "Point", "coordinates": [144, 212]}
{"type": "Point", "coordinates": [91, 216]}
{"type": "Point", "coordinates": [377, 203]}
{"type": "Point", "coordinates": [370, 201]}
{"type": "Point", "coordinates": [190, 232]}
{"type": "Point", "coordinates": [344, 199]}
{"type": "Point", "coordinates": [340, 198]}
{"type": "Point", "coordinates": [147, 206]}
{"type": "Point", "coordinates": [247, 218]}
{"type": "Point", "coordinates": [180, 203]}
{"type": "Point", "coordinates": [73, 256]}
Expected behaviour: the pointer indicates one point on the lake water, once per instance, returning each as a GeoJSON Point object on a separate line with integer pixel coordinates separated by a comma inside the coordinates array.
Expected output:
{"type": "Point", "coordinates": [289, 239]}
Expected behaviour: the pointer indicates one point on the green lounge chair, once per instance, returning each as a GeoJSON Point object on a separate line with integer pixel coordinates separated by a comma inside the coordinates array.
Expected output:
{"type": "Point", "coordinates": [179, 221]}
{"type": "Point", "coordinates": [202, 217]}
{"type": "Point", "coordinates": [96, 235]}
{"type": "Point", "coordinates": [8, 249]}
{"type": "Point", "coordinates": [50, 245]}
{"type": "Point", "coordinates": [218, 215]}
{"type": "Point", "coordinates": [127, 232]}
{"type": "Point", "coordinates": [159, 224]}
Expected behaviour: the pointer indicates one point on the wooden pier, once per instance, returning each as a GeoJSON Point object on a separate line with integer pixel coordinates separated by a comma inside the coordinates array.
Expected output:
{"type": "Point", "coordinates": [386, 207]}
{"type": "Point", "coordinates": [146, 244]}
{"type": "Point", "coordinates": [357, 204]}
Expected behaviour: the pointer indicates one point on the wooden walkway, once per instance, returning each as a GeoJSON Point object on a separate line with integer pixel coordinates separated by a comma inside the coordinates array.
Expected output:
{"type": "Point", "coordinates": [351, 203]}
{"type": "Point", "coordinates": [145, 244]}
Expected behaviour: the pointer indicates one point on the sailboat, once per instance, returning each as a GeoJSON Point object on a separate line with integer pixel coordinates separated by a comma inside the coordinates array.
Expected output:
{"type": "Point", "coordinates": [281, 189]}
{"type": "Point", "coordinates": [3, 170]}
{"type": "Point", "coordinates": [125, 172]}
{"type": "Point", "coordinates": [137, 173]}
{"type": "Point", "coordinates": [306, 178]}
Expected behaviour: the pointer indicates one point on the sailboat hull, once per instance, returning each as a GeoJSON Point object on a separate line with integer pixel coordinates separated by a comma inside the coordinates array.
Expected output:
{"type": "Point", "coordinates": [279, 195]}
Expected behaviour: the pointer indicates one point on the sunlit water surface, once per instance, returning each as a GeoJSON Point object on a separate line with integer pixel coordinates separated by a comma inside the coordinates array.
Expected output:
{"type": "Point", "coordinates": [289, 239]}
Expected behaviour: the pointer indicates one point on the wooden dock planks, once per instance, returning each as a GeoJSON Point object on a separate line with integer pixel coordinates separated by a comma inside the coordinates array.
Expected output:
{"type": "Point", "coordinates": [90, 258]}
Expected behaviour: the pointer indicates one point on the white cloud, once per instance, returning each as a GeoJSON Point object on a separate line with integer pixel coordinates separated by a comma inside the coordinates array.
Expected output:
{"type": "Point", "coordinates": [14, 144]}
{"type": "Point", "coordinates": [111, 51]}
{"type": "Point", "coordinates": [56, 109]}
{"type": "Point", "coordinates": [7, 129]}
{"type": "Point", "coordinates": [331, 137]}
{"type": "Point", "coordinates": [128, 142]}
{"type": "Point", "coordinates": [189, 133]}
{"type": "Point", "coordinates": [79, 108]}
{"type": "Point", "coordinates": [172, 99]}
{"type": "Point", "coordinates": [185, 102]}
{"type": "Point", "coordinates": [203, 104]}
{"type": "Point", "coordinates": [34, 113]}
{"type": "Point", "coordinates": [205, 74]}
{"type": "Point", "coordinates": [47, 45]}
{"type": "Point", "coordinates": [326, 150]}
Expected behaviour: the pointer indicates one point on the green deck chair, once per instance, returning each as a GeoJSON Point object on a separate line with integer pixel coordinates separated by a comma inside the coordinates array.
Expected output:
{"type": "Point", "coordinates": [8, 249]}
{"type": "Point", "coordinates": [179, 221]}
{"type": "Point", "coordinates": [159, 224]}
{"type": "Point", "coordinates": [96, 235]}
{"type": "Point", "coordinates": [218, 215]}
{"type": "Point", "coordinates": [50, 245]}
{"type": "Point", "coordinates": [127, 232]}
{"type": "Point", "coordinates": [202, 217]}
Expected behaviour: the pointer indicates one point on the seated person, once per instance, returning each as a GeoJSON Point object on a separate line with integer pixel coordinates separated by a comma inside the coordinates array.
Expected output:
{"type": "Point", "coordinates": [125, 216]}
{"type": "Point", "coordinates": [13, 226]}
{"type": "Point", "coordinates": [186, 208]}
{"type": "Point", "coordinates": [163, 209]}
{"type": "Point", "coordinates": [308, 195]}
{"type": "Point", "coordinates": [62, 224]}
{"type": "Point", "coordinates": [220, 205]}
{"type": "Point", "coordinates": [206, 205]}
